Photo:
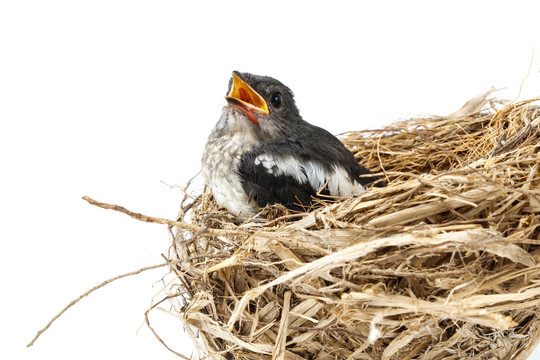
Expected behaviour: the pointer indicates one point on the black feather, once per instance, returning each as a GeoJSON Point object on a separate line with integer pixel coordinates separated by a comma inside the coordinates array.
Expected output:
{"type": "Point", "coordinates": [268, 188]}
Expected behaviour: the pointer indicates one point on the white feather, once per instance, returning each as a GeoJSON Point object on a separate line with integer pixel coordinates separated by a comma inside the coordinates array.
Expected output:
{"type": "Point", "coordinates": [312, 172]}
{"type": "Point", "coordinates": [341, 185]}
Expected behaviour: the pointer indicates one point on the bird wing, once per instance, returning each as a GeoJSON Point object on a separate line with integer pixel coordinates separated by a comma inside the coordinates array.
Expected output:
{"type": "Point", "coordinates": [292, 179]}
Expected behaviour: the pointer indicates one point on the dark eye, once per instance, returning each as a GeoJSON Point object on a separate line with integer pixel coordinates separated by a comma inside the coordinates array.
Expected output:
{"type": "Point", "coordinates": [276, 100]}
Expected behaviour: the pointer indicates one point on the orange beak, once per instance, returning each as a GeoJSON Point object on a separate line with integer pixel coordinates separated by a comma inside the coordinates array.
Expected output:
{"type": "Point", "coordinates": [243, 96]}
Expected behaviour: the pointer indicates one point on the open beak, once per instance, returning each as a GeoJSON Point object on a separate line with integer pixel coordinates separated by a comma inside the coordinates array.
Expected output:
{"type": "Point", "coordinates": [243, 96]}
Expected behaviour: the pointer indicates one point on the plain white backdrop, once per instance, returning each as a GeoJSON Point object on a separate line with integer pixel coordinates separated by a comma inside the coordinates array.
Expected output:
{"type": "Point", "coordinates": [112, 99]}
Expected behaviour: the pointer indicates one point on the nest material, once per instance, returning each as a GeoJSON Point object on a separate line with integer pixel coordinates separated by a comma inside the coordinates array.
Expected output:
{"type": "Point", "coordinates": [443, 263]}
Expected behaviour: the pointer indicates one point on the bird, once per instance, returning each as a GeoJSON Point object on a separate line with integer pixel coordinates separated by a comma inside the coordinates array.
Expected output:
{"type": "Point", "coordinates": [261, 152]}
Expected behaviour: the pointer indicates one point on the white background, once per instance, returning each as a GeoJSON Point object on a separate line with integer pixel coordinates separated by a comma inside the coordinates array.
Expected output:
{"type": "Point", "coordinates": [110, 98]}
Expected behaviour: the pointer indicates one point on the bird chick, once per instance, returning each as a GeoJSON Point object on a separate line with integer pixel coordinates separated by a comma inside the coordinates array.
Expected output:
{"type": "Point", "coordinates": [262, 152]}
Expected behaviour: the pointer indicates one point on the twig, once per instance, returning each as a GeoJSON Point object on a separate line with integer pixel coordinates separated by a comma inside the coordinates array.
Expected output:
{"type": "Point", "coordinates": [88, 293]}
{"type": "Point", "coordinates": [155, 333]}
{"type": "Point", "coordinates": [157, 220]}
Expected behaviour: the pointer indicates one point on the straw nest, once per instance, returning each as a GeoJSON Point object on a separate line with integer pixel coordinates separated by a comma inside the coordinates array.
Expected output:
{"type": "Point", "coordinates": [443, 263]}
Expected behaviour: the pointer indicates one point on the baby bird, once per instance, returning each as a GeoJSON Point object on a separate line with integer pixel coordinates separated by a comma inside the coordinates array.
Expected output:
{"type": "Point", "coordinates": [262, 152]}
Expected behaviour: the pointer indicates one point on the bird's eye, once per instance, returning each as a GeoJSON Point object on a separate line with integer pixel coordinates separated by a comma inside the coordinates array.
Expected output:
{"type": "Point", "coordinates": [276, 100]}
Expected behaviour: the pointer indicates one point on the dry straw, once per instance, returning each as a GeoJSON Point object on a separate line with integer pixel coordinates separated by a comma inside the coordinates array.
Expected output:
{"type": "Point", "coordinates": [443, 263]}
{"type": "Point", "coordinates": [440, 264]}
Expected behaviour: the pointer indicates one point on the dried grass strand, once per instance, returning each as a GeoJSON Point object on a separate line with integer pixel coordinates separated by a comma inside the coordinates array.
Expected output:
{"type": "Point", "coordinates": [85, 294]}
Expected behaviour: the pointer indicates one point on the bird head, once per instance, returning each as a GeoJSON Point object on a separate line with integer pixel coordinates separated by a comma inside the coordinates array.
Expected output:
{"type": "Point", "coordinates": [263, 101]}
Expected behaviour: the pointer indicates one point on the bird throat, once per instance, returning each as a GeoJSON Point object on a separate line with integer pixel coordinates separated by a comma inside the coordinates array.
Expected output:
{"type": "Point", "coordinates": [248, 111]}
{"type": "Point", "coordinates": [250, 114]}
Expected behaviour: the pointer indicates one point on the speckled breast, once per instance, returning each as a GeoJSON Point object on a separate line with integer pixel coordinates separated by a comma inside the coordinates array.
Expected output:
{"type": "Point", "coordinates": [221, 159]}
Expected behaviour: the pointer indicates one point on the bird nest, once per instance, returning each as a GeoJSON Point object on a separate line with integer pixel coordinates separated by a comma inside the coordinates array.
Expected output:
{"type": "Point", "coordinates": [443, 263]}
